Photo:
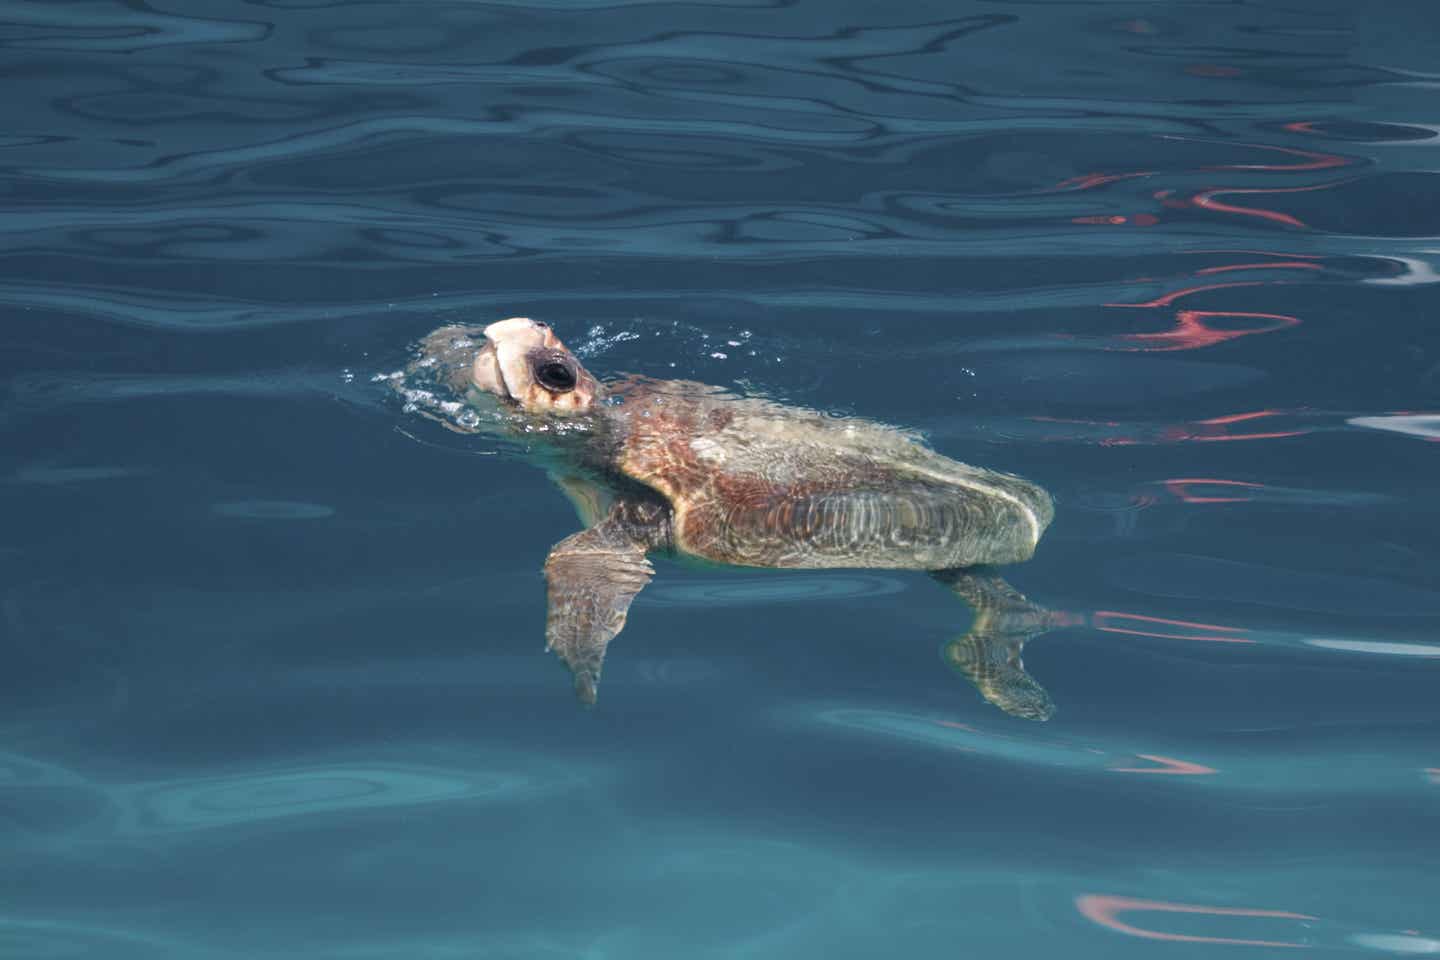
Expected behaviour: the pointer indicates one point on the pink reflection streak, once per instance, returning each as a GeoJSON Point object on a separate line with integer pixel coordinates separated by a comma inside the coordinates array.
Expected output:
{"type": "Point", "coordinates": [1192, 329]}
{"type": "Point", "coordinates": [1194, 431]}
{"type": "Point", "coordinates": [1139, 220]}
{"type": "Point", "coordinates": [1192, 333]}
{"type": "Point", "coordinates": [1169, 766]}
{"type": "Point", "coordinates": [1140, 625]}
{"type": "Point", "coordinates": [1239, 417]}
{"type": "Point", "coordinates": [1434, 774]}
{"type": "Point", "coordinates": [1277, 265]}
{"type": "Point", "coordinates": [1264, 253]}
{"type": "Point", "coordinates": [1104, 909]}
{"type": "Point", "coordinates": [1309, 160]}
{"type": "Point", "coordinates": [1179, 488]}
{"type": "Point", "coordinates": [1317, 161]}
{"type": "Point", "coordinates": [1225, 421]}
{"type": "Point", "coordinates": [1088, 181]}
{"type": "Point", "coordinates": [1206, 201]}
{"type": "Point", "coordinates": [1169, 298]}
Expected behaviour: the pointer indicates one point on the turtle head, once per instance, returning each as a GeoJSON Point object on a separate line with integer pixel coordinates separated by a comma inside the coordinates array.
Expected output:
{"type": "Point", "coordinates": [525, 365]}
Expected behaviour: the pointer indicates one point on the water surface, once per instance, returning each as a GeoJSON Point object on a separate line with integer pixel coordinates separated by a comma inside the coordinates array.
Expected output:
{"type": "Point", "coordinates": [274, 683]}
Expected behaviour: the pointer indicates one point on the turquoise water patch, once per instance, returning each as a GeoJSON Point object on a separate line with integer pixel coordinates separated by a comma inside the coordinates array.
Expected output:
{"type": "Point", "coordinates": [181, 806]}
{"type": "Point", "coordinates": [43, 939]}
{"type": "Point", "coordinates": [307, 794]}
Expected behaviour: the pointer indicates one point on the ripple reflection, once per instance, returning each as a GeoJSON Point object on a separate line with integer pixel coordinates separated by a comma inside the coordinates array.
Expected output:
{"type": "Point", "coordinates": [1106, 909]}
{"type": "Point", "coordinates": [1191, 576]}
{"type": "Point", "coordinates": [20, 771]}
{"type": "Point", "coordinates": [781, 588]}
{"type": "Point", "coordinates": [334, 790]}
{"type": "Point", "coordinates": [1240, 764]}
{"type": "Point", "coordinates": [34, 939]}
{"type": "Point", "coordinates": [966, 738]}
{"type": "Point", "coordinates": [186, 805]}
{"type": "Point", "coordinates": [1425, 425]}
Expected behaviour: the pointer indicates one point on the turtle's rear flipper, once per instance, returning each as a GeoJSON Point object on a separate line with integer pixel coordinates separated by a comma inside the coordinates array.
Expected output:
{"type": "Point", "coordinates": [989, 654]}
{"type": "Point", "coordinates": [592, 577]}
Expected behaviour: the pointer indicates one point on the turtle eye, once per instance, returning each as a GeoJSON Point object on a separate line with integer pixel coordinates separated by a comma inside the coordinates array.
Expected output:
{"type": "Point", "coordinates": [556, 376]}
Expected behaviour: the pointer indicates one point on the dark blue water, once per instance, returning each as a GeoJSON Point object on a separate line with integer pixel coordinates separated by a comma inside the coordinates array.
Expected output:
{"type": "Point", "coordinates": [273, 681]}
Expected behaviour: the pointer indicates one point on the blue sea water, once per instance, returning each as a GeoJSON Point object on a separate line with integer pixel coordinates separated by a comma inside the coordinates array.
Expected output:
{"type": "Point", "coordinates": [273, 683]}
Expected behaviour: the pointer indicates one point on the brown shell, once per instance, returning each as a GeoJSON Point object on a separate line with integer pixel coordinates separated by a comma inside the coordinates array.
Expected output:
{"type": "Point", "coordinates": [755, 483]}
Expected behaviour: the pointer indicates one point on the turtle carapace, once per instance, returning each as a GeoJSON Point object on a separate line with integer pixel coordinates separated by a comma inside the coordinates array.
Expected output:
{"type": "Point", "coordinates": [677, 467]}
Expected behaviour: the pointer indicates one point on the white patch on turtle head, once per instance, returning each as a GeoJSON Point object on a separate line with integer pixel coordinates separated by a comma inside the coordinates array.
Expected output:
{"type": "Point", "coordinates": [485, 372]}
{"type": "Point", "coordinates": [524, 363]}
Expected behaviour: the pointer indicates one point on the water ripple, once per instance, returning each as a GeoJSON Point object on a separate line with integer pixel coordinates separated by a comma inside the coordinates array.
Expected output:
{"type": "Point", "coordinates": [778, 588]}
{"type": "Point", "coordinates": [47, 392]}
{"type": "Point", "coordinates": [186, 805]}
{"type": "Point", "coordinates": [260, 796]}
{"type": "Point", "coordinates": [1191, 576]}
{"type": "Point", "coordinates": [1243, 764]}
{"type": "Point", "coordinates": [21, 771]}
{"type": "Point", "coordinates": [46, 939]}
{"type": "Point", "coordinates": [36, 27]}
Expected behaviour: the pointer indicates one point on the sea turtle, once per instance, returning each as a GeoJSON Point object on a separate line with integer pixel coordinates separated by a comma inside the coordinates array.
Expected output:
{"type": "Point", "coordinates": [692, 470]}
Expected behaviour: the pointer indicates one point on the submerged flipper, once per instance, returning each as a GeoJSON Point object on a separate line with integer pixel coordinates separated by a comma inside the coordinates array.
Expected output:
{"type": "Point", "coordinates": [989, 654]}
{"type": "Point", "coordinates": [592, 576]}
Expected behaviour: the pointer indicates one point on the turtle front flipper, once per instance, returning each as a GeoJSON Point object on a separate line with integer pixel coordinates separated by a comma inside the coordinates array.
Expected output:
{"type": "Point", "coordinates": [989, 654]}
{"type": "Point", "coordinates": [592, 577]}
